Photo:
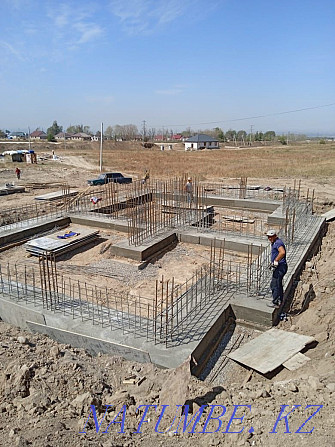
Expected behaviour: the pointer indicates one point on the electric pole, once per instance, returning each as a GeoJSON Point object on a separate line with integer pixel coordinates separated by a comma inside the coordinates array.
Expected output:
{"type": "Point", "coordinates": [144, 130]}
{"type": "Point", "coordinates": [250, 136]}
{"type": "Point", "coordinates": [101, 141]}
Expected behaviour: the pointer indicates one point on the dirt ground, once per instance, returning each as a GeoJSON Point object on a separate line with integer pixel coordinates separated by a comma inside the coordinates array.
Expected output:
{"type": "Point", "coordinates": [46, 388]}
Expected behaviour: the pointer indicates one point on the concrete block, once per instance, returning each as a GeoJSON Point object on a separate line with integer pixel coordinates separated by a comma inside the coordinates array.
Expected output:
{"type": "Point", "coordinates": [188, 238]}
{"type": "Point", "coordinates": [100, 222]}
{"type": "Point", "coordinates": [91, 344]}
{"type": "Point", "coordinates": [15, 314]}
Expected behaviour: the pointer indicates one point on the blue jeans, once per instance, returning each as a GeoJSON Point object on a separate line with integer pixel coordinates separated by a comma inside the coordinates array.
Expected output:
{"type": "Point", "coordinates": [277, 283]}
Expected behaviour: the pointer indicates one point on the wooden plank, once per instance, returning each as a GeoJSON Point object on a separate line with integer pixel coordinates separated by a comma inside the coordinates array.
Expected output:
{"type": "Point", "coordinates": [329, 215]}
{"type": "Point", "coordinates": [239, 219]}
{"type": "Point", "coordinates": [296, 361]}
{"type": "Point", "coordinates": [270, 350]}
{"type": "Point", "coordinates": [57, 195]}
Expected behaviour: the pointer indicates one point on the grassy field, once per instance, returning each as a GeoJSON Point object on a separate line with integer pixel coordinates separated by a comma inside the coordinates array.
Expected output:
{"type": "Point", "coordinates": [294, 161]}
{"type": "Point", "coordinates": [300, 161]}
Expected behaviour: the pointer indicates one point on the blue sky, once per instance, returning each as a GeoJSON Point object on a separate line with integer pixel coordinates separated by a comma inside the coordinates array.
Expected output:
{"type": "Point", "coordinates": [173, 63]}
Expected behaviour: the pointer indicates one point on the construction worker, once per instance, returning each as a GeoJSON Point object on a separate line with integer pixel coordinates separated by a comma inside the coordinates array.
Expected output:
{"type": "Point", "coordinates": [278, 267]}
{"type": "Point", "coordinates": [189, 190]}
{"type": "Point", "coordinates": [146, 177]}
{"type": "Point", "coordinates": [18, 173]}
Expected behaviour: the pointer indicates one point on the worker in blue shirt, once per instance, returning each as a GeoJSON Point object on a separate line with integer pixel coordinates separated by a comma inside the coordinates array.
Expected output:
{"type": "Point", "coordinates": [279, 268]}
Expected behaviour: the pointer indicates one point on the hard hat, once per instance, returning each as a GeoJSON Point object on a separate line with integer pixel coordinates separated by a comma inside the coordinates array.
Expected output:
{"type": "Point", "coordinates": [271, 233]}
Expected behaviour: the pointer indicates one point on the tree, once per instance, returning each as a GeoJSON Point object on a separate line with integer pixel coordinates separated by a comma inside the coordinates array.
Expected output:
{"type": "Point", "coordinates": [151, 133]}
{"type": "Point", "coordinates": [218, 133]}
{"type": "Point", "coordinates": [109, 132]}
{"type": "Point", "coordinates": [282, 139]}
{"type": "Point", "coordinates": [269, 135]}
{"type": "Point", "coordinates": [2, 134]}
{"type": "Point", "coordinates": [54, 130]}
{"type": "Point", "coordinates": [259, 136]}
{"type": "Point", "coordinates": [75, 129]}
{"type": "Point", "coordinates": [230, 135]}
{"type": "Point", "coordinates": [241, 135]}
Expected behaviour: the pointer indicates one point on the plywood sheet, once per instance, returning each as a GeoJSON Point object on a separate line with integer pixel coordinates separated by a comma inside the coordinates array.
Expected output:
{"type": "Point", "coordinates": [329, 215]}
{"type": "Point", "coordinates": [270, 350]}
{"type": "Point", "coordinates": [296, 361]}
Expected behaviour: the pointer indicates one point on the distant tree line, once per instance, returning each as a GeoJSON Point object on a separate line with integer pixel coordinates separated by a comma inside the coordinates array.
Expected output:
{"type": "Point", "coordinates": [131, 132]}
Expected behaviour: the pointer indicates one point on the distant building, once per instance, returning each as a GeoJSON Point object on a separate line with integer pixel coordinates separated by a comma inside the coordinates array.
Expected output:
{"type": "Point", "coordinates": [177, 137]}
{"type": "Point", "coordinates": [60, 136]}
{"type": "Point", "coordinates": [38, 135]}
{"type": "Point", "coordinates": [17, 136]}
{"type": "Point", "coordinates": [201, 141]}
{"type": "Point", "coordinates": [81, 136]}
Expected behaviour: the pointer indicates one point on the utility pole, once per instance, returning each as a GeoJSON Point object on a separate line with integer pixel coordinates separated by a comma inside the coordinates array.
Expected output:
{"type": "Point", "coordinates": [101, 143]}
{"type": "Point", "coordinates": [144, 130]}
{"type": "Point", "coordinates": [250, 133]}
{"type": "Point", "coordinates": [29, 138]}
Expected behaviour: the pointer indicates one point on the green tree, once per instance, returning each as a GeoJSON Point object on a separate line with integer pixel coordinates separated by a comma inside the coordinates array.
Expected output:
{"type": "Point", "coordinates": [241, 135]}
{"type": "Point", "coordinates": [75, 129]}
{"type": "Point", "coordinates": [218, 133]}
{"type": "Point", "coordinates": [2, 134]}
{"type": "Point", "coordinates": [269, 135]}
{"type": "Point", "coordinates": [230, 135]}
{"type": "Point", "coordinates": [282, 139]}
{"type": "Point", "coordinates": [259, 136]}
{"type": "Point", "coordinates": [54, 130]}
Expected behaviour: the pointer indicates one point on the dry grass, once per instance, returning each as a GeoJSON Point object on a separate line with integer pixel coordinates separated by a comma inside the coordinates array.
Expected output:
{"type": "Point", "coordinates": [301, 161]}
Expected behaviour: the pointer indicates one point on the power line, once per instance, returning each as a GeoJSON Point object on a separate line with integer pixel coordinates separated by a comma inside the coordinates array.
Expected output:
{"type": "Point", "coordinates": [254, 117]}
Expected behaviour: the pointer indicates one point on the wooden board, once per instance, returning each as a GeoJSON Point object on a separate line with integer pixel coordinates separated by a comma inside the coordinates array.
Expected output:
{"type": "Point", "coordinates": [329, 215]}
{"type": "Point", "coordinates": [271, 349]}
{"type": "Point", "coordinates": [56, 195]}
{"type": "Point", "coordinates": [296, 361]}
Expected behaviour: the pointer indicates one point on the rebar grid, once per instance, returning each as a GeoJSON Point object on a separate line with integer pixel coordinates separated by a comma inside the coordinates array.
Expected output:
{"type": "Point", "coordinates": [171, 206]}
{"type": "Point", "coordinates": [242, 190]}
{"type": "Point", "coordinates": [27, 215]}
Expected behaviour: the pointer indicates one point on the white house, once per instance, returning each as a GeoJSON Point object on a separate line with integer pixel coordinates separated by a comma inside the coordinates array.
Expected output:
{"type": "Point", "coordinates": [201, 141]}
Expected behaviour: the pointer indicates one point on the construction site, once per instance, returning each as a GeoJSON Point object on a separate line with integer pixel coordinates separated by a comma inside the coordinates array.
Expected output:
{"type": "Point", "coordinates": [150, 293]}
{"type": "Point", "coordinates": [85, 267]}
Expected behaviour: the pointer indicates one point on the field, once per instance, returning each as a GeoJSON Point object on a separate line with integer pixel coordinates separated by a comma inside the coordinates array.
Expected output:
{"type": "Point", "coordinates": [312, 163]}
{"type": "Point", "coordinates": [46, 388]}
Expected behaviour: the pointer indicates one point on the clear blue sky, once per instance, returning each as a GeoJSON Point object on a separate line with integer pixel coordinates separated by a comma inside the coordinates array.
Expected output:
{"type": "Point", "coordinates": [173, 63]}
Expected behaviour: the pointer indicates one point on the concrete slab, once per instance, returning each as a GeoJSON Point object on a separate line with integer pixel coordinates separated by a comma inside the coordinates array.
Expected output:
{"type": "Point", "coordinates": [270, 350]}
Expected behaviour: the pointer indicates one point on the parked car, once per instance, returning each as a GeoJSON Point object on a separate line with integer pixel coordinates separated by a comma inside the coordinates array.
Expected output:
{"type": "Point", "coordinates": [115, 177]}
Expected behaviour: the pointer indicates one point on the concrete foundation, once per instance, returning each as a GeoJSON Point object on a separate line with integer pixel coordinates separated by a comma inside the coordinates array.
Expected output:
{"type": "Point", "coordinates": [204, 327]}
